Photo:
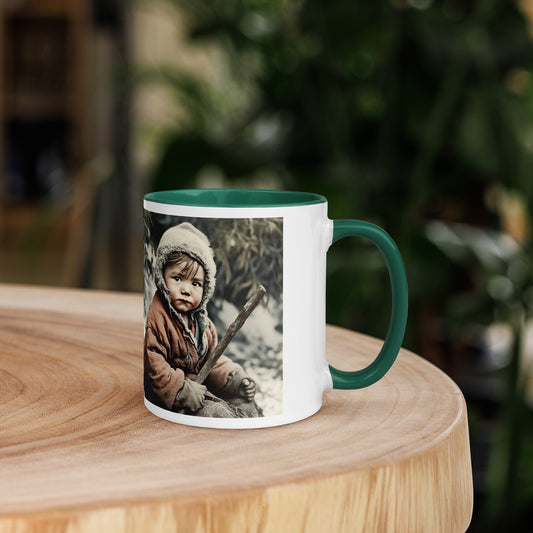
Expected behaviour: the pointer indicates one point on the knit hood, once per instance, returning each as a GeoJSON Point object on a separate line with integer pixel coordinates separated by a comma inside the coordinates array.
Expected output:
{"type": "Point", "coordinates": [185, 238]}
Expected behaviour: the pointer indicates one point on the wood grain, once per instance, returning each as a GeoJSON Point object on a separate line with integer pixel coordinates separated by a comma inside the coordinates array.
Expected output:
{"type": "Point", "coordinates": [80, 453]}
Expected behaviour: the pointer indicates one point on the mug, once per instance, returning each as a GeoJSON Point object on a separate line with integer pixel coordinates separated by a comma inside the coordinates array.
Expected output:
{"type": "Point", "coordinates": [235, 289]}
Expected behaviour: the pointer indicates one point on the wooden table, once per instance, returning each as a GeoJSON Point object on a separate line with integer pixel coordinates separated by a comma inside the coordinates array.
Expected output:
{"type": "Point", "coordinates": [80, 453]}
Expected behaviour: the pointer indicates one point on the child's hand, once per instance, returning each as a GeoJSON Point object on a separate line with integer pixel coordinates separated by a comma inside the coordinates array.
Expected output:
{"type": "Point", "coordinates": [247, 389]}
{"type": "Point", "coordinates": [190, 396]}
{"type": "Point", "coordinates": [196, 396]}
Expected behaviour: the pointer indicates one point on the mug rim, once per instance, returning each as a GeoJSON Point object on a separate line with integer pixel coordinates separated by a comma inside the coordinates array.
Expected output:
{"type": "Point", "coordinates": [242, 198]}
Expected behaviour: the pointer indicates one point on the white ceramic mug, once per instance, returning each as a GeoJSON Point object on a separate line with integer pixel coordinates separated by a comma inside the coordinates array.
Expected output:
{"type": "Point", "coordinates": [235, 306]}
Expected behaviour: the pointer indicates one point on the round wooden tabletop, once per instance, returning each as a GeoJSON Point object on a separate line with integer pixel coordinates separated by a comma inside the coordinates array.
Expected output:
{"type": "Point", "coordinates": [79, 452]}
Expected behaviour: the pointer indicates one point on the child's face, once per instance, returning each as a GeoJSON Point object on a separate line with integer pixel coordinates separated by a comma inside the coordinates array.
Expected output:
{"type": "Point", "coordinates": [186, 289]}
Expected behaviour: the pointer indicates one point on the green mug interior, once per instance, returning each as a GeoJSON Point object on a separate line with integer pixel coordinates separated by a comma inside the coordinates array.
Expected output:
{"type": "Point", "coordinates": [234, 198]}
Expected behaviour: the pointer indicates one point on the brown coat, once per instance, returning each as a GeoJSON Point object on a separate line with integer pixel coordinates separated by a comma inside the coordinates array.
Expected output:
{"type": "Point", "coordinates": [171, 355]}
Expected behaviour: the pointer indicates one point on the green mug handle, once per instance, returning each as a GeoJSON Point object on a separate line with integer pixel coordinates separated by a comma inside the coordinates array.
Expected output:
{"type": "Point", "coordinates": [379, 367]}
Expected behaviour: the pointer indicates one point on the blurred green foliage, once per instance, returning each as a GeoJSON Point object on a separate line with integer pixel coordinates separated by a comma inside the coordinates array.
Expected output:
{"type": "Point", "coordinates": [400, 112]}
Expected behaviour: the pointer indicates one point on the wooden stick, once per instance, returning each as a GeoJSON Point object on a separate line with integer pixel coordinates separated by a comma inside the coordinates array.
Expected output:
{"type": "Point", "coordinates": [233, 328]}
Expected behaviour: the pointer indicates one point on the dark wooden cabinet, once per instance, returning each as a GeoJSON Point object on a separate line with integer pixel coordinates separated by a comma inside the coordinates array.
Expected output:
{"type": "Point", "coordinates": [44, 96]}
{"type": "Point", "coordinates": [45, 128]}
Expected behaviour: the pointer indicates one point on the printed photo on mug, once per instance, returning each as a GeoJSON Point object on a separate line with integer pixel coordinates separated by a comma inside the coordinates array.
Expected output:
{"type": "Point", "coordinates": [213, 308]}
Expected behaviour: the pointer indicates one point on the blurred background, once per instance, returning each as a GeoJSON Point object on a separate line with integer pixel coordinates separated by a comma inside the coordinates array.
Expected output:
{"type": "Point", "coordinates": [416, 115]}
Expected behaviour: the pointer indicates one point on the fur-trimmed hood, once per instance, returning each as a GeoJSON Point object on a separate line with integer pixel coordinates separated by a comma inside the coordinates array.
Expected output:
{"type": "Point", "coordinates": [187, 239]}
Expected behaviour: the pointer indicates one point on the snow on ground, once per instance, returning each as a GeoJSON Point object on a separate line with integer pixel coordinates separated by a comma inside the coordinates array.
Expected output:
{"type": "Point", "coordinates": [257, 347]}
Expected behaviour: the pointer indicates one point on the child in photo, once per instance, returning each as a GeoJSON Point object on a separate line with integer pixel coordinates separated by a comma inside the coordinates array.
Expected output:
{"type": "Point", "coordinates": [179, 335]}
